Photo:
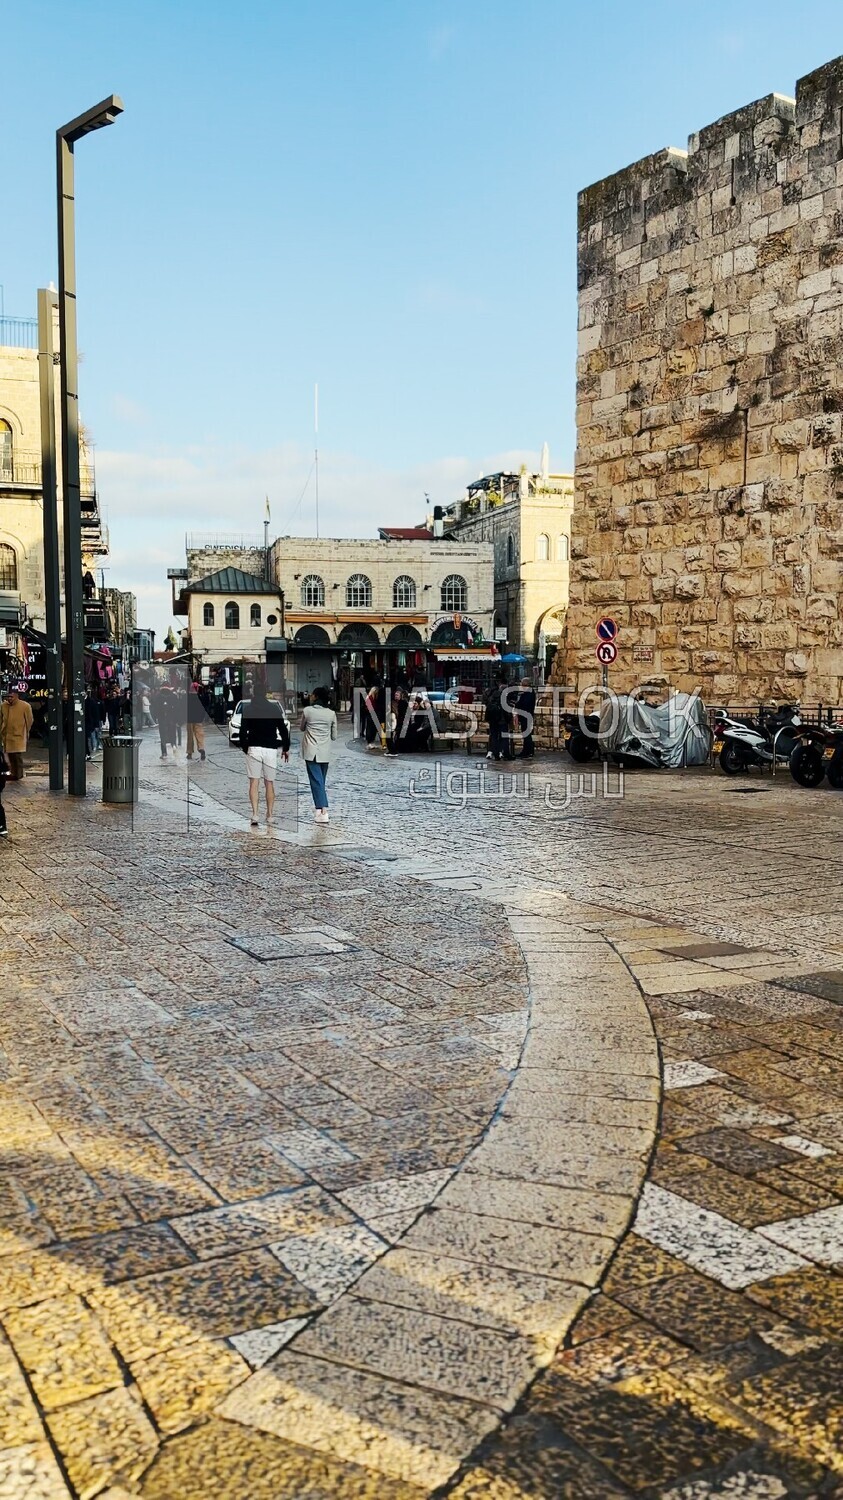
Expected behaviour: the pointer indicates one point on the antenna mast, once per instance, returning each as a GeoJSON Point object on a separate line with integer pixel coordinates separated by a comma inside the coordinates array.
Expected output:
{"type": "Point", "coordinates": [316, 448]}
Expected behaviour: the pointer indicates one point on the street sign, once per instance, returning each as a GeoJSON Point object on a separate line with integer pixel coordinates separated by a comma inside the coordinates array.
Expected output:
{"type": "Point", "coordinates": [606, 653]}
{"type": "Point", "coordinates": [606, 629]}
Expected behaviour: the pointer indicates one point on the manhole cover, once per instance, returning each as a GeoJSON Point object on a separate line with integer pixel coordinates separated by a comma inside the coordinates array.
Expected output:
{"type": "Point", "coordinates": [268, 947]}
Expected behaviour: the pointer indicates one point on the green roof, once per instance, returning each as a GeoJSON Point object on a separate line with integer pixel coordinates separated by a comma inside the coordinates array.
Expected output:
{"type": "Point", "coordinates": [230, 581]}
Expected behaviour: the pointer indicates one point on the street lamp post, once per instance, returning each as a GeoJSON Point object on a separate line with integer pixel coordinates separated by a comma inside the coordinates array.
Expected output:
{"type": "Point", "coordinates": [52, 580]}
{"type": "Point", "coordinates": [66, 138]}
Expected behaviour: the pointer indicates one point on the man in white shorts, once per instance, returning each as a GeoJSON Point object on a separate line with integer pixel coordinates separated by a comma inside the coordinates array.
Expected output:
{"type": "Point", "coordinates": [263, 729]}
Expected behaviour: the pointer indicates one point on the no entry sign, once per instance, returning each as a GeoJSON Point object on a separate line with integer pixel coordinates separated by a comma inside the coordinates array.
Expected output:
{"type": "Point", "coordinates": [606, 652]}
{"type": "Point", "coordinates": [606, 629]}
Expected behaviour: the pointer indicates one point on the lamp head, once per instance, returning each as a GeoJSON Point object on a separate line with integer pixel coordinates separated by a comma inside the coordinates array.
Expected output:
{"type": "Point", "coordinates": [104, 113]}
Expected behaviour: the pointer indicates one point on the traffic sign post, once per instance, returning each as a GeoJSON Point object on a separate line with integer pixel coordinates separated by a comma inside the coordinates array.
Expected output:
{"type": "Point", "coordinates": [606, 651]}
{"type": "Point", "coordinates": [607, 629]}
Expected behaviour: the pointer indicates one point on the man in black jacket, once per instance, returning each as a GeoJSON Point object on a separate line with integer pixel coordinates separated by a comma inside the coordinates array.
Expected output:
{"type": "Point", "coordinates": [526, 706]}
{"type": "Point", "coordinates": [262, 729]}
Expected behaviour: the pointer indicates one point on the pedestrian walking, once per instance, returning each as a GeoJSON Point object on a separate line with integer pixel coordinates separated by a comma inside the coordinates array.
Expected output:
{"type": "Point", "coordinates": [495, 718]}
{"type": "Point", "coordinates": [318, 725]}
{"type": "Point", "coordinates": [93, 719]}
{"type": "Point", "coordinates": [167, 717]}
{"type": "Point", "coordinates": [263, 729]}
{"type": "Point", "coordinates": [15, 726]}
{"type": "Point", "coordinates": [526, 707]}
{"type": "Point", "coordinates": [146, 710]}
{"type": "Point", "coordinates": [195, 722]}
{"type": "Point", "coordinates": [4, 776]}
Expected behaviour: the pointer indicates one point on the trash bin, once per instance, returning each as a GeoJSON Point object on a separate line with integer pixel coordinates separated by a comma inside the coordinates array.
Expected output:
{"type": "Point", "coordinates": [120, 768]}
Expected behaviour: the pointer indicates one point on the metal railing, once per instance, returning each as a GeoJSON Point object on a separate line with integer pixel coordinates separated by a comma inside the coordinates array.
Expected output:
{"type": "Point", "coordinates": [24, 468]}
{"type": "Point", "coordinates": [196, 541]}
{"type": "Point", "coordinates": [18, 333]}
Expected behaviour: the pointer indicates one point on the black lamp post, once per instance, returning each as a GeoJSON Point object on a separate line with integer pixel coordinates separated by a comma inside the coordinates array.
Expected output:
{"type": "Point", "coordinates": [66, 138]}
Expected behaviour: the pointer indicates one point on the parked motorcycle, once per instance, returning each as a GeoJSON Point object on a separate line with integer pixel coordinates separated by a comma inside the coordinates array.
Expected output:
{"type": "Point", "coordinates": [818, 752]}
{"type": "Point", "coordinates": [770, 738]}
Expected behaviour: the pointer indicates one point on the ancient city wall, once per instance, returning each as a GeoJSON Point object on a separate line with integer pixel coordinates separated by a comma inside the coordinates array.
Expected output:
{"type": "Point", "coordinates": [709, 469]}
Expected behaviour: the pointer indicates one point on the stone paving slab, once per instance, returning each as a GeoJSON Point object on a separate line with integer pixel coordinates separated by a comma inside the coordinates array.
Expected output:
{"type": "Point", "coordinates": [669, 1383]}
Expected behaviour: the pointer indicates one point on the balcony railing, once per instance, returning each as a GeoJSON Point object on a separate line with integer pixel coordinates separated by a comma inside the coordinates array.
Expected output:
{"type": "Point", "coordinates": [18, 333]}
{"type": "Point", "coordinates": [24, 469]}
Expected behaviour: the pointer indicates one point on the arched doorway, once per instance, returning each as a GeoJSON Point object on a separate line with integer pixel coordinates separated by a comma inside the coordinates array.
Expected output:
{"type": "Point", "coordinates": [311, 661]}
{"type": "Point", "coordinates": [360, 637]}
{"type": "Point", "coordinates": [550, 630]}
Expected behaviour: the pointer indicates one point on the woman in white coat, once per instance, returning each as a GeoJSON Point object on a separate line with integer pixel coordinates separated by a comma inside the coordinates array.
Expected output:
{"type": "Point", "coordinates": [318, 725]}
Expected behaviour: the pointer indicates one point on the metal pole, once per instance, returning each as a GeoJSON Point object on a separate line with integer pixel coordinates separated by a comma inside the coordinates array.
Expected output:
{"type": "Point", "coordinates": [73, 600]}
{"type": "Point", "coordinates": [52, 574]}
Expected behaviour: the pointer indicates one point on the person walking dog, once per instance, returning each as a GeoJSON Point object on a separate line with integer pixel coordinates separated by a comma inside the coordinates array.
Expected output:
{"type": "Point", "coordinates": [318, 725]}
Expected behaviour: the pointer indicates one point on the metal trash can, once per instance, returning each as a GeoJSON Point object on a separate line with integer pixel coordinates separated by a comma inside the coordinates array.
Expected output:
{"type": "Point", "coordinates": [120, 768]}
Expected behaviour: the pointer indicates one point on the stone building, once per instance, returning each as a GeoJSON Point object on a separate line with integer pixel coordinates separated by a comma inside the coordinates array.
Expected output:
{"type": "Point", "coordinates": [527, 518]}
{"type": "Point", "coordinates": [21, 504]}
{"type": "Point", "coordinates": [709, 469]}
{"type": "Point", "coordinates": [424, 605]}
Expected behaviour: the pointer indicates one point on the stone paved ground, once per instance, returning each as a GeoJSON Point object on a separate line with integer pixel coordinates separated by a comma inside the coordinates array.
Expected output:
{"type": "Point", "coordinates": [189, 1173]}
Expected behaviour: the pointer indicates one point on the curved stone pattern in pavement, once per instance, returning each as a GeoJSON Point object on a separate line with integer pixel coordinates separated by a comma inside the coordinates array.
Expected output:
{"type": "Point", "coordinates": [206, 1161]}
{"type": "Point", "coordinates": [428, 1350]}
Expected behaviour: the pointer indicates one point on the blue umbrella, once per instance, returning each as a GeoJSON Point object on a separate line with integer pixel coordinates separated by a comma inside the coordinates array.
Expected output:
{"type": "Point", "coordinates": [513, 656]}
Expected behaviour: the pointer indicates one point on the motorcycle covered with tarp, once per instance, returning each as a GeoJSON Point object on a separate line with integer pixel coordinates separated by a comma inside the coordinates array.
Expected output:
{"type": "Point", "coordinates": [638, 734]}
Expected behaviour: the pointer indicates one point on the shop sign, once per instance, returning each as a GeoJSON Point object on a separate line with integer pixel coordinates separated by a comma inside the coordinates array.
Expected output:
{"type": "Point", "coordinates": [465, 655]}
{"type": "Point", "coordinates": [3, 638]}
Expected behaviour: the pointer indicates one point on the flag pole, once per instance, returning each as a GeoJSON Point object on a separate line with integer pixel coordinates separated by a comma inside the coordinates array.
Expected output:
{"type": "Point", "coordinates": [316, 448]}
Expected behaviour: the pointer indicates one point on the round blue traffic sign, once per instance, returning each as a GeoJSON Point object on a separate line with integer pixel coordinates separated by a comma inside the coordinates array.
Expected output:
{"type": "Point", "coordinates": [606, 629]}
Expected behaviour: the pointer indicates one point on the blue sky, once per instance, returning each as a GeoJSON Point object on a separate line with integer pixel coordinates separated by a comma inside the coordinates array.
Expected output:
{"type": "Point", "coordinates": [379, 196]}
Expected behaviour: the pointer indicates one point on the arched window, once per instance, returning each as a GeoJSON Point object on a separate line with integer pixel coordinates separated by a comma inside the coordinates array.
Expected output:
{"type": "Point", "coordinates": [6, 469]}
{"type": "Point", "coordinates": [8, 567]}
{"type": "Point", "coordinates": [358, 592]}
{"type": "Point", "coordinates": [454, 594]}
{"type": "Point", "coordinates": [313, 591]}
{"type": "Point", "coordinates": [563, 548]}
{"type": "Point", "coordinates": [232, 615]}
{"type": "Point", "coordinates": [255, 615]}
{"type": "Point", "coordinates": [510, 550]}
{"type": "Point", "coordinates": [542, 547]}
{"type": "Point", "coordinates": [404, 592]}
{"type": "Point", "coordinates": [207, 614]}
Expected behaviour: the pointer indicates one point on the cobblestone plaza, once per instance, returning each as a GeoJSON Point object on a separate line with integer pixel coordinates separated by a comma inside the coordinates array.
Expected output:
{"type": "Point", "coordinates": [483, 1143]}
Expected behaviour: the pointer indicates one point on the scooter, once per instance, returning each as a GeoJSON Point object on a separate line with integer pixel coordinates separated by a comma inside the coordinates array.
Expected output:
{"type": "Point", "coordinates": [818, 752]}
{"type": "Point", "coordinates": [766, 741]}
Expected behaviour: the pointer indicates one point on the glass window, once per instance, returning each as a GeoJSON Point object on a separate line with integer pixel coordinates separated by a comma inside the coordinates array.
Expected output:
{"type": "Point", "coordinates": [563, 549]}
{"type": "Point", "coordinates": [542, 547]}
{"type": "Point", "coordinates": [404, 592]}
{"type": "Point", "coordinates": [8, 567]}
{"type": "Point", "coordinates": [313, 592]}
{"type": "Point", "coordinates": [510, 550]}
{"type": "Point", "coordinates": [454, 594]}
{"type": "Point", "coordinates": [207, 614]}
{"type": "Point", "coordinates": [255, 615]}
{"type": "Point", "coordinates": [5, 451]}
{"type": "Point", "coordinates": [232, 616]}
{"type": "Point", "coordinates": [358, 592]}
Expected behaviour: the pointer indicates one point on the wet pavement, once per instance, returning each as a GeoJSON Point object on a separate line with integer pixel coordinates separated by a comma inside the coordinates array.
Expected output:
{"type": "Point", "coordinates": [323, 1146]}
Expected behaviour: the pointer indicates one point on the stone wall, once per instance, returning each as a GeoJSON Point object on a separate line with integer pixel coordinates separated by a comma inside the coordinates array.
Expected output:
{"type": "Point", "coordinates": [709, 468]}
{"type": "Point", "coordinates": [202, 561]}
